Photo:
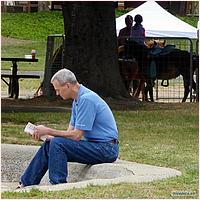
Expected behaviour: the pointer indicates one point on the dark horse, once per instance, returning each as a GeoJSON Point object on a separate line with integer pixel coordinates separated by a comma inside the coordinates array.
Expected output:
{"type": "Point", "coordinates": [129, 68]}
{"type": "Point", "coordinates": [165, 65]}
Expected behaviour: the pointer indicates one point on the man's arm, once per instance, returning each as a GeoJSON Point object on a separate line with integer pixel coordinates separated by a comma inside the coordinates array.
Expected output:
{"type": "Point", "coordinates": [70, 128]}
{"type": "Point", "coordinates": [74, 134]}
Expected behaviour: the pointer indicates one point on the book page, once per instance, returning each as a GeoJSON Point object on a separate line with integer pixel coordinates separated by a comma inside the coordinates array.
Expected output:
{"type": "Point", "coordinates": [30, 130]}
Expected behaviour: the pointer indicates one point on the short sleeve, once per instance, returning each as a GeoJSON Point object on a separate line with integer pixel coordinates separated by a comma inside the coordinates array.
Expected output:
{"type": "Point", "coordinates": [86, 113]}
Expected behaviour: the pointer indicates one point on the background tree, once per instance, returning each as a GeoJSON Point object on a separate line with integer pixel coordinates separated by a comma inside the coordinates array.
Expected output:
{"type": "Point", "coordinates": [91, 46]}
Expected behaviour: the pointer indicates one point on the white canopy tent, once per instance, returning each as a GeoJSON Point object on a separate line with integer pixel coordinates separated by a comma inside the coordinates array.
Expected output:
{"type": "Point", "coordinates": [158, 22]}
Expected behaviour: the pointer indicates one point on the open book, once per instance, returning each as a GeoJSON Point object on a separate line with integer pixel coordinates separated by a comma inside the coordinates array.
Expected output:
{"type": "Point", "coordinates": [30, 130]}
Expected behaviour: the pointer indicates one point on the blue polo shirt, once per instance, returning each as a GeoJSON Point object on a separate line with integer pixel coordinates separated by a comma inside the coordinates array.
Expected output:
{"type": "Point", "coordinates": [92, 114]}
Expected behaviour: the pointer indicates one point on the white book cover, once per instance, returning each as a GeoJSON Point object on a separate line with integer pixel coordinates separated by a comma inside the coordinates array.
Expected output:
{"type": "Point", "coordinates": [30, 130]}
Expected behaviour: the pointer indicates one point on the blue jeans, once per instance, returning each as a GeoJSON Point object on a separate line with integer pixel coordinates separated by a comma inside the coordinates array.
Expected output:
{"type": "Point", "coordinates": [55, 153]}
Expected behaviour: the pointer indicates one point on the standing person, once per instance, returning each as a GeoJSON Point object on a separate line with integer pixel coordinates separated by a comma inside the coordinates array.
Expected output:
{"type": "Point", "coordinates": [91, 137]}
{"type": "Point", "coordinates": [125, 32]}
{"type": "Point", "coordinates": [123, 45]}
{"type": "Point", "coordinates": [138, 31]}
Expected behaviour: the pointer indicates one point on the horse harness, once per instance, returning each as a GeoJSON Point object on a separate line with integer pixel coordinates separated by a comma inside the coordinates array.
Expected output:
{"type": "Point", "coordinates": [153, 54]}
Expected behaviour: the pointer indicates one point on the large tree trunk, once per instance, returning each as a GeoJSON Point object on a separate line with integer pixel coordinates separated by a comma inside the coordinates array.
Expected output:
{"type": "Point", "coordinates": [91, 46]}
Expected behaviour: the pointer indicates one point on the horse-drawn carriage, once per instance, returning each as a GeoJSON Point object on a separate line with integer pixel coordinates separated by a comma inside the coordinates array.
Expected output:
{"type": "Point", "coordinates": [138, 62]}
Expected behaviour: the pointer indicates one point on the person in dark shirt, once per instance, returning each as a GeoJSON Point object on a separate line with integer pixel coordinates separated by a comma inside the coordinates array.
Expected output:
{"type": "Point", "coordinates": [138, 31]}
{"type": "Point", "coordinates": [125, 32]}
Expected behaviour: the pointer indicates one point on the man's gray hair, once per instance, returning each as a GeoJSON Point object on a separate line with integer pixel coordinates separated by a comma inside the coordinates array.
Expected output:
{"type": "Point", "coordinates": [63, 76]}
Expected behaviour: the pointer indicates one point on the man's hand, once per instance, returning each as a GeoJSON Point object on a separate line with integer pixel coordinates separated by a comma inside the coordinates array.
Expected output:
{"type": "Point", "coordinates": [39, 131]}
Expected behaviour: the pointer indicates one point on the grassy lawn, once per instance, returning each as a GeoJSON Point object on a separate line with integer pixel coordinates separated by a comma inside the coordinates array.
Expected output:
{"type": "Point", "coordinates": [25, 85]}
{"type": "Point", "coordinates": [33, 29]}
{"type": "Point", "coordinates": [158, 134]}
{"type": "Point", "coordinates": [22, 49]}
{"type": "Point", "coordinates": [32, 26]}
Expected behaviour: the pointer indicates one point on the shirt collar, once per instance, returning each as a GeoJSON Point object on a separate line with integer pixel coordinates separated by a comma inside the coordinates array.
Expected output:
{"type": "Point", "coordinates": [82, 90]}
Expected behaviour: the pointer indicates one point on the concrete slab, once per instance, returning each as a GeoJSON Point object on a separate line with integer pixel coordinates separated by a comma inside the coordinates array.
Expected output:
{"type": "Point", "coordinates": [15, 158]}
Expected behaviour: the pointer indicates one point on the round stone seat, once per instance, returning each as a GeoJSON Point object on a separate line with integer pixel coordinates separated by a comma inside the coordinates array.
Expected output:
{"type": "Point", "coordinates": [15, 159]}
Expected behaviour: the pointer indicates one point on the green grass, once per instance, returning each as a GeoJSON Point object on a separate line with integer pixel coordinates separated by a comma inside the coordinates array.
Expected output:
{"type": "Point", "coordinates": [22, 49]}
{"type": "Point", "coordinates": [193, 21]}
{"type": "Point", "coordinates": [32, 26]}
{"type": "Point", "coordinates": [159, 134]}
{"type": "Point", "coordinates": [26, 85]}
{"type": "Point", "coordinates": [13, 125]}
{"type": "Point", "coordinates": [118, 13]}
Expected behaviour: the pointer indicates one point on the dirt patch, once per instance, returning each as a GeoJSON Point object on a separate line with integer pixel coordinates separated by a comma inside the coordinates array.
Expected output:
{"type": "Point", "coordinates": [41, 101]}
{"type": "Point", "coordinates": [6, 41]}
{"type": "Point", "coordinates": [59, 104]}
{"type": "Point", "coordinates": [38, 101]}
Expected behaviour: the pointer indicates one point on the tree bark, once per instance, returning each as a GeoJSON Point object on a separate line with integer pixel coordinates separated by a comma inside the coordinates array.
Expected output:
{"type": "Point", "coordinates": [91, 46]}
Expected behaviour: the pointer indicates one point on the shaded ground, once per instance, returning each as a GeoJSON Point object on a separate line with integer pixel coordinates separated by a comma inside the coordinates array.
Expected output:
{"type": "Point", "coordinates": [41, 104]}
{"type": "Point", "coordinates": [123, 104]}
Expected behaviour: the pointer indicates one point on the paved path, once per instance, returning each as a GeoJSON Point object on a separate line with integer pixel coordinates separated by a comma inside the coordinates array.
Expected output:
{"type": "Point", "coordinates": [40, 73]}
{"type": "Point", "coordinates": [15, 158]}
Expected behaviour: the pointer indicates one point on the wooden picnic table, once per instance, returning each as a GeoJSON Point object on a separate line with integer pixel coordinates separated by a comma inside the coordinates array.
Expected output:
{"type": "Point", "coordinates": [14, 76]}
